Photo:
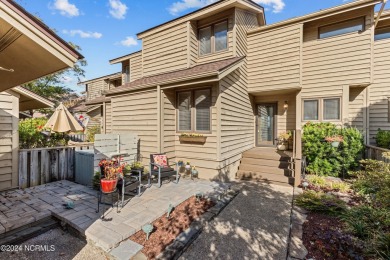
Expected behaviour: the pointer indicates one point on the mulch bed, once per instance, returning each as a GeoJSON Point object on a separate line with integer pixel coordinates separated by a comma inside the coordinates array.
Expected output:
{"type": "Point", "coordinates": [166, 230]}
{"type": "Point", "coordinates": [324, 238]}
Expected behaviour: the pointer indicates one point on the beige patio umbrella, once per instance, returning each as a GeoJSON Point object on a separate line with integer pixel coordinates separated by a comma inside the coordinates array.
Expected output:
{"type": "Point", "coordinates": [63, 121]}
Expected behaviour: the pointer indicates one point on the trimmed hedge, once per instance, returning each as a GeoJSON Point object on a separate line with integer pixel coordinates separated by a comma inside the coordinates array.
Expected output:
{"type": "Point", "coordinates": [323, 158]}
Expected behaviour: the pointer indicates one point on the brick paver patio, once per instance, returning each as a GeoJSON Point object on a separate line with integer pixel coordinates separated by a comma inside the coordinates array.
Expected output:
{"type": "Point", "coordinates": [22, 207]}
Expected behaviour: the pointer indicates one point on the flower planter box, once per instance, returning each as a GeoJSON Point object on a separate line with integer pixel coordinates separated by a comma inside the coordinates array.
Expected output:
{"type": "Point", "coordinates": [193, 139]}
{"type": "Point", "coordinates": [108, 185]}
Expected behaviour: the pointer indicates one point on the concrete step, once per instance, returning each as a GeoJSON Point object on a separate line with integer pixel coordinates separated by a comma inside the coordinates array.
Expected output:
{"type": "Point", "coordinates": [268, 177]}
{"type": "Point", "coordinates": [265, 162]}
{"type": "Point", "coordinates": [266, 155]}
{"type": "Point", "coordinates": [264, 169]}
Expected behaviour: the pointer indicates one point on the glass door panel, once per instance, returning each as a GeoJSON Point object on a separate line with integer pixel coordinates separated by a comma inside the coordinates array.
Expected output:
{"type": "Point", "coordinates": [265, 124]}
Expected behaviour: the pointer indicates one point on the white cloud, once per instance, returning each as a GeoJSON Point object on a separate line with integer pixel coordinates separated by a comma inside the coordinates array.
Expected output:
{"type": "Point", "coordinates": [83, 34]}
{"type": "Point", "coordinates": [129, 41]}
{"type": "Point", "coordinates": [117, 9]}
{"type": "Point", "coordinates": [182, 5]}
{"type": "Point", "coordinates": [66, 8]}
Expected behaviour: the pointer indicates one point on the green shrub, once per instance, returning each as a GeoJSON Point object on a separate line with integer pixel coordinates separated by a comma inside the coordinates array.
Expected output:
{"type": "Point", "coordinates": [30, 135]}
{"type": "Point", "coordinates": [371, 225]}
{"type": "Point", "coordinates": [320, 202]}
{"type": "Point", "coordinates": [373, 182]}
{"type": "Point", "coordinates": [92, 131]}
{"type": "Point", "coordinates": [323, 158]}
{"type": "Point", "coordinates": [323, 183]}
{"type": "Point", "coordinates": [383, 138]}
{"type": "Point", "coordinates": [96, 180]}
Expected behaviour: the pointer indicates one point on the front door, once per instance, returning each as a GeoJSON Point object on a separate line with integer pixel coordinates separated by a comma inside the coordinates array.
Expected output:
{"type": "Point", "coordinates": [265, 124]}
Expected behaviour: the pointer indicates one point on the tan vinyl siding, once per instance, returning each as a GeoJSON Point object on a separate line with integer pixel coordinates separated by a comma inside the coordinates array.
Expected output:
{"type": "Point", "coordinates": [96, 88]}
{"type": "Point", "coordinates": [9, 111]}
{"type": "Point", "coordinates": [108, 118]}
{"type": "Point", "coordinates": [136, 67]}
{"type": "Point", "coordinates": [165, 51]}
{"type": "Point", "coordinates": [356, 108]}
{"type": "Point", "coordinates": [95, 118]}
{"type": "Point", "coordinates": [229, 16]}
{"type": "Point", "coordinates": [202, 156]}
{"type": "Point", "coordinates": [285, 120]}
{"type": "Point", "coordinates": [193, 43]}
{"type": "Point", "coordinates": [330, 63]}
{"type": "Point", "coordinates": [137, 113]}
{"type": "Point", "coordinates": [168, 122]}
{"type": "Point", "coordinates": [380, 89]}
{"type": "Point", "coordinates": [237, 120]}
{"type": "Point", "coordinates": [274, 59]}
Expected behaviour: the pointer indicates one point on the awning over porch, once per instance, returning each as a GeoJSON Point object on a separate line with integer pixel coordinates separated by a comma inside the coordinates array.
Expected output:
{"type": "Point", "coordinates": [29, 100]}
{"type": "Point", "coordinates": [213, 70]}
{"type": "Point", "coordinates": [28, 48]}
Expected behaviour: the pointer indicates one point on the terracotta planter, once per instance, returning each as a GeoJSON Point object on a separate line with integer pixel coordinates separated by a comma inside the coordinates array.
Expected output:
{"type": "Point", "coordinates": [108, 185]}
{"type": "Point", "coordinates": [193, 139]}
{"type": "Point", "coordinates": [281, 147]}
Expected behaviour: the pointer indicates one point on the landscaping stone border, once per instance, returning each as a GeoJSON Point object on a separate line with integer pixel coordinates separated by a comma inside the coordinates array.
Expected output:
{"type": "Point", "coordinates": [132, 250]}
{"type": "Point", "coordinates": [296, 249]}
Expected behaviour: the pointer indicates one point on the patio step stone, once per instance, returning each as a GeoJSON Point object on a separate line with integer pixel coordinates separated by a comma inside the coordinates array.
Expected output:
{"type": "Point", "coordinates": [126, 250]}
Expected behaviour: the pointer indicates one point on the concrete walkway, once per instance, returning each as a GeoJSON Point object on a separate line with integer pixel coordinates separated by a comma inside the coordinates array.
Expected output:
{"type": "Point", "coordinates": [255, 225]}
{"type": "Point", "coordinates": [22, 207]}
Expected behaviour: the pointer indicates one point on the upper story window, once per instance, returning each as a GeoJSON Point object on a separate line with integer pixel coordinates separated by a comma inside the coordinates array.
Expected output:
{"type": "Point", "coordinates": [382, 33]}
{"type": "Point", "coordinates": [353, 25]}
{"type": "Point", "coordinates": [127, 74]}
{"type": "Point", "coordinates": [213, 38]}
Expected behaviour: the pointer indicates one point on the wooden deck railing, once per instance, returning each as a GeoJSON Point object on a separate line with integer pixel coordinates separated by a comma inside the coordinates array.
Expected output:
{"type": "Point", "coordinates": [375, 153]}
{"type": "Point", "coordinates": [43, 165]}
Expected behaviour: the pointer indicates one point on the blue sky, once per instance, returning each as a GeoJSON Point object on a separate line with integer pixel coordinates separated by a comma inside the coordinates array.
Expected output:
{"type": "Point", "coordinates": [106, 29]}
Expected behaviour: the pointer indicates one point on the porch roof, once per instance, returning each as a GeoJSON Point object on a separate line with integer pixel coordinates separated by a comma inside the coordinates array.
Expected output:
{"type": "Point", "coordinates": [29, 100]}
{"type": "Point", "coordinates": [215, 69]}
{"type": "Point", "coordinates": [98, 100]}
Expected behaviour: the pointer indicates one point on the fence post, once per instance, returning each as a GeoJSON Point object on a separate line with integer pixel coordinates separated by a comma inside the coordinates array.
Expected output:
{"type": "Point", "coordinates": [34, 169]}
{"type": "Point", "coordinates": [22, 170]}
{"type": "Point", "coordinates": [298, 158]}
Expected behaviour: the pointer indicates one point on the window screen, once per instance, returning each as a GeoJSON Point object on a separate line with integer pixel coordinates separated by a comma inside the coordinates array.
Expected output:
{"type": "Point", "coordinates": [310, 110]}
{"type": "Point", "coordinates": [202, 109]}
{"type": "Point", "coordinates": [184, 107]}
{"type": "Point", "coordinates": [205, 41]}
{"type": "Point", "coordinates": [220, 34]}
{"type": "Point", "coordinates": [382, 33]}
{"type": "Point", "coordinates": [332, 109]}
{"type": "Point", "coordinates": [341, 28]}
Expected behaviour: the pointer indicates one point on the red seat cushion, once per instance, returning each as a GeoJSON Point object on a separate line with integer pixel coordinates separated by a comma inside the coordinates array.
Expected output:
{"type": "Point", "coordinates": [160, 159]}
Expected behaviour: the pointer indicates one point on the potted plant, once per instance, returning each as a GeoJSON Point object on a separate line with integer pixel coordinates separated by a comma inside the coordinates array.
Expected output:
{"type": "Point", "coordinates": [194, 171]}
{"type": "Point", "coordinates": [283, 141]}
{"type": "Point", "coordinates": [180, 163]}
{"type": "Point", "coordinates": [137, 165]}
{"type": "Point", "coordinates": [111, 174]}
{"type": "Point", "coordinates": [334, 140]}
{"type": "Point", "coordinates": [188, 166]}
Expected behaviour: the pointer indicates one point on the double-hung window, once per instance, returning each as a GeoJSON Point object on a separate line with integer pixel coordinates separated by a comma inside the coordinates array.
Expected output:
{"type": "Point", "coordinates": [194, 110]}
{"type": "Point", "coordinates": [213, 38]}
{"type": "Point", "coordinates": [322, 109]}
{"type": "Point", "coordinates": [353, 25]}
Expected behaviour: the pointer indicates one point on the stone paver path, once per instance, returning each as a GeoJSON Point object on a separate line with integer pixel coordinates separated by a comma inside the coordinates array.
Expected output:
{"type": "Point", "coordinates": [21, 207]}
{"type": "Point", "coordinates": [255, 225]}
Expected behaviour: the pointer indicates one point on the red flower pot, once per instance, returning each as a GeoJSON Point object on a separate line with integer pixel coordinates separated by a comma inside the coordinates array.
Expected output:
{"type": "Point", "coordinates": [108, 185]}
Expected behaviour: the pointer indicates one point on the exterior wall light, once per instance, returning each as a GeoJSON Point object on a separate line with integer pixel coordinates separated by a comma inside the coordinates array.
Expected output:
{"type": "Point", "coordinates": [285, 106]}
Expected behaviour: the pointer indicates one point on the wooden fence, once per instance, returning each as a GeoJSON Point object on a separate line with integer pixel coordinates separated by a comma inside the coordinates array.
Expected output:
{"type": "Point", "coordinates": [43, 165]}
{"type": "Point", "coordinates": [78, 137]}
{"type": "Point", "coordinates": [375, 153]}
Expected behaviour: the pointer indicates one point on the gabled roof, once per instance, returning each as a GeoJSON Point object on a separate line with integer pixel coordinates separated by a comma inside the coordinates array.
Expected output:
{"type": "Point", "coordinates": [206, 11]}
{"type": "Point", "coordinates": [124, 57]}
{"type": "Point", "coordinates": [29, 100]}
{"type": "Point", "coordinates": [214, 69]}
{"type": "Point", "coordinates": [320, 14]}
{"type": "Point", "coordinates": [115, 75]}
{"type": "Point", "coordinates": [41, 26]}
{"type": "Point", "coordinates": [98, 100]}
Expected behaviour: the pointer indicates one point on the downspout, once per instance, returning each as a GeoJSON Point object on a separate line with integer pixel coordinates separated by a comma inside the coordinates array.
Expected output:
{"type": "Point", "coordinates": [159, 135]}
{"type": "Point", "coordinates": [380, 12]}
